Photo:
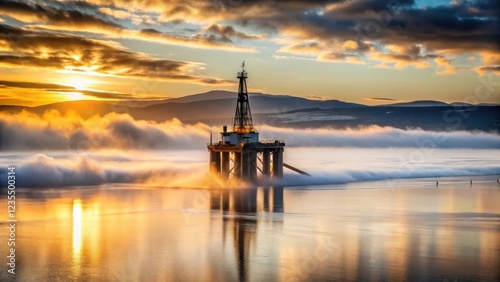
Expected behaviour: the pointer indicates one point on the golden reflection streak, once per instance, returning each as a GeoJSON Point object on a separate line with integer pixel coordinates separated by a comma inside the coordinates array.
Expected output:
{"type": "Point", "coordinates": [77, 229]}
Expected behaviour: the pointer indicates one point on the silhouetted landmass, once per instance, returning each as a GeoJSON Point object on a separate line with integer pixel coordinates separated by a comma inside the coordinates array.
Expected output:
{"type": "Point", "coordinates": [449, 118]}
{"type": "Point", "coordinates": [217, 108]}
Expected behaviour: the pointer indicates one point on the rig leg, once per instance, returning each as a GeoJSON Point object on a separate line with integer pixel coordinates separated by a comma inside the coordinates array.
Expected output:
{"type": "Point", "coordinates": [237, 164]}
{"type": "Point", "coordinates": [266, 162]}
{"type": "Point", "coordinates": [246, 164]}
{"type": "Point", "coordinates": [215, 162]}
{"type": "Point", "coordinates": [253, 166]}
{"type": "Point", "coordinates": [278, 163]}
{"type": "Point", "coordinates": [225, 164]}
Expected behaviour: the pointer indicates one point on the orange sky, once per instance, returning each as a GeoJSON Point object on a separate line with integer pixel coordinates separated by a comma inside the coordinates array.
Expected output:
{"type": "Point", "coordinates": [370, 52]}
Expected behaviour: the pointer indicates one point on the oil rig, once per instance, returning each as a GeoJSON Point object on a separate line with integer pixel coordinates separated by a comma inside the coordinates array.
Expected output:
{"type": "Point", "coordinates": [237, 151]}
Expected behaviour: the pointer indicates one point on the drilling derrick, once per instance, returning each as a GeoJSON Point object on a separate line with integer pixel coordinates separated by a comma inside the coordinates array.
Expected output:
{"type": "Point", "coordinates": [243, 117]}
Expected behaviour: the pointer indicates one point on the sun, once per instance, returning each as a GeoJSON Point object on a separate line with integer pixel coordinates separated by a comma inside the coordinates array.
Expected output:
{"type": "Point", "coordinates": [74, 95]}
{"type": "Point", "coordinates": [79, 83]}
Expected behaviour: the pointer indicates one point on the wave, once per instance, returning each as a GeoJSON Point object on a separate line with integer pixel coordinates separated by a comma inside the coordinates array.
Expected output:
{"type": "Point", "coordinates": [165, 170]}
{"type": "Point", "coordinates": [349, 176]}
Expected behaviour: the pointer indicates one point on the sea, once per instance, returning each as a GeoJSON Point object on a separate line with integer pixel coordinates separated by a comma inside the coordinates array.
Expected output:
{"type": "Point", "coordinates": [363, 214]}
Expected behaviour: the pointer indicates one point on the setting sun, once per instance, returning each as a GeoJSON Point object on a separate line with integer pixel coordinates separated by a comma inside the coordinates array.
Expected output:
{"type": "Point", "coordinates": [74, 95]}
{"type": "Point", "coordinates": [79, 83]}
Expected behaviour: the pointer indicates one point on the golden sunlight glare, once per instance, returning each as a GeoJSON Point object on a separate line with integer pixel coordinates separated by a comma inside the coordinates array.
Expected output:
{"type": "Point", "coordinates": [74, 95]}
{"type": "Point", "coordinates": [78, 83]}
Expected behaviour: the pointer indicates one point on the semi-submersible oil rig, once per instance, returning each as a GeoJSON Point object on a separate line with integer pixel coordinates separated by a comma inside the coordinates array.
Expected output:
{"type": "Point", "coordinates": [236, 153]}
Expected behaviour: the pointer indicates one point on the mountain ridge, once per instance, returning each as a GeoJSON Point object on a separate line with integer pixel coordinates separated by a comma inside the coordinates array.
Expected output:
{"type": "Point", "coordinates": [217, 108]}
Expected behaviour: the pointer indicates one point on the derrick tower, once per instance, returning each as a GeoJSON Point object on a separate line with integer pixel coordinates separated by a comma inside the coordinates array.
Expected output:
{"type": "Point", "coordinates": [243, 116]}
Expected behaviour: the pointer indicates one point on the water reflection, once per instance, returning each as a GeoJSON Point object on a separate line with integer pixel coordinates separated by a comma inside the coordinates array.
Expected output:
{"type": "Point", "coordinates": [247, 200]}
{"type": "Point", "coordinates": [129, 234]}
{"type": "Point", "coordinates": [242, 205]}
{"type": "Point", "coordinates": [77, 236]}
{"type": "Point", "coordinates": [244, 236]}
{"type": "Point", "coordinates": [77, 228]}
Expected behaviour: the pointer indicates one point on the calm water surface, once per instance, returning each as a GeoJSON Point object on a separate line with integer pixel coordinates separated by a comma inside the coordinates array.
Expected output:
{"type": "Point", "coordinates": [362, 231]}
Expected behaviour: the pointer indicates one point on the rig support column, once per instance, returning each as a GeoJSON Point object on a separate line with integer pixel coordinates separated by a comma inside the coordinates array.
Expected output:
{"type": "Point", "coordinates": [278, 163]}
{"type": "Point", "coordinates": [215, 162]}
{"type": "Point", "coordinates": [266, 162]}
{"type": "Point", "coordinates": [225, 164]}
{"type": "Point", "coordinates": [245, 164]}
{"type": "Point", "coordinates": [249, 164]}
{"type": "Point", "coordinates": [253, 165]}
{"type": "Point", "coordinates": [237, 164]}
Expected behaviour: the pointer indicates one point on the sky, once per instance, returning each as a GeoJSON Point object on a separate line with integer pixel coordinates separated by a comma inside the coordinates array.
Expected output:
{"type": "Point", "coordinates": [363, 51]}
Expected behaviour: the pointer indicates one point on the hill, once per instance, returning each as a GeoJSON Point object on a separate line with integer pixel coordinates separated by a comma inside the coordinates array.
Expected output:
{"type": "Point", "coordinates": [217, 108]}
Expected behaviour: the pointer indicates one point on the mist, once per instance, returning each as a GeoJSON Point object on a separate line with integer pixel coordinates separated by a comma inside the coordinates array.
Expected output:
{"type": "Point", "coordinates": [55, 150]}
{"type": "Point", "coordinates": [53, 131]}
{"type": "Point", "coordinates": [189, 168]}
{"type": "Point", "coordinates": [61, 169]}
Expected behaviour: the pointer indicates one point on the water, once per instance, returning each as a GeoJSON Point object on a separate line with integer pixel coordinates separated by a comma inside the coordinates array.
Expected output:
{"type": "Point", "coordinates": [351, 221]}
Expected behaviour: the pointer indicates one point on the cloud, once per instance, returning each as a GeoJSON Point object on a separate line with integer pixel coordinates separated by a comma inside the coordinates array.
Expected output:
{"type": "Point", "coordinates": [198, 40]}
{"type": "Point", "coordinates": [59, 88]}
{"type": "Point", "coordinates": [33, 85]}
{"type": "Point", "coordinates": [38, 49]}
{"type": "Point", "coordinates": [89, 18]}
{"type": "Point", "coordinates": [468, 27]}
{"type": "Point", "coordinates": [188, 169]}
{"type": "Point", "coordinates": [229, 33]}
{"type": "Point", "coordinates": [52, 131]}
{"type": "Point", "coordinates": [355, 31]}
{"type": "Point", "coordinates": [67, 16]}
{"type": "Point", "coordinates": [381, 137]}
{"type": "Point", "coordinates": [135, 17]}
{"type": "Point", "coordinates": [484, 69]}
{"type": "Point", "coordinates": [348, 51]}
{"type": "Point", "coordinates": [379, 99]}
{"type": "Point", "coordinates": [69, 169]}
{"type": "Point", "coordinates": [118, 149]}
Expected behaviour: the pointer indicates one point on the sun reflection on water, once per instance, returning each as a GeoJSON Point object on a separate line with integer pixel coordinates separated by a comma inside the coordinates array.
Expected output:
{"type": "Point", "coordinates": [77, 228]}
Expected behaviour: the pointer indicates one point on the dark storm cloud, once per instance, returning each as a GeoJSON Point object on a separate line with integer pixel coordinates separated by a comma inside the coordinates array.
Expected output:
{"type": "Point", "coordinates": [40, 49]}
